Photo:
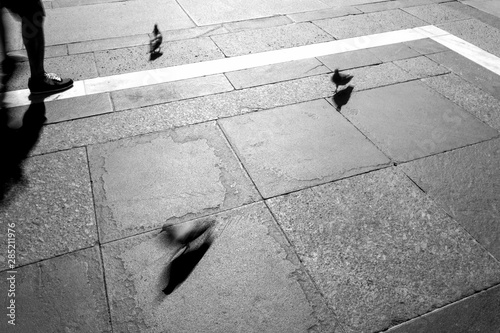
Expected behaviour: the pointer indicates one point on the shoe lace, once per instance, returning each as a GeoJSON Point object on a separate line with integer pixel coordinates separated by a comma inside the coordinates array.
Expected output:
{"type": "Point", "coordinates": [53, 76]}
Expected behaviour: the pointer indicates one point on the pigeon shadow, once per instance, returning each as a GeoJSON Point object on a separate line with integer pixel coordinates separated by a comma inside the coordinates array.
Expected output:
{"type": "Point", "coordinates": [16, 144]}
{"type": "Point", "coordinates": [342, 97]}
{"type": "Point", "coordinates": [154, 55]}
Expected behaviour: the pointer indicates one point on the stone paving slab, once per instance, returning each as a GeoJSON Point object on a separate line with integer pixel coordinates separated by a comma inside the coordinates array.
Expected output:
{"type": "Point", "coordinates": [297, 146]}
{"type": "Point", "coordinates": [323, 14]}
{"type": "Point", "coordinates": [135, 17]}
{"type": "Point", "coordinates": [132, 59]}
{"type": "Point", "coordinates": [63, 294]}
{"type": "Point", "coordinates": [393, 52]}
{"type": "Point", "coordinates": [478, 313]}
{"type": "Point", "coordinates": [170, 91]}
{"type": "Point", "coordinates": [470, 71]}
{"type": "Point", "coordinates": [221, 11]}
{"type": "Point", "coordinates": [351, 59]}
{"type": "Point", "coordinates": [467, 183]}
{"type": "Point", "coordinates": [275, 38]}
{"type": "Point", "coordinates": [249, 280]}
{"type": "Point", "coordinates": [276, 73]}
{"type": "Point", "coordinates": [405, 128]}
{"type": "Point", "coordinates": [140, 183]}
{"type": "Point", "coordinates": [380, 250]}
{"type": "Point", "coordinates": [378, 76]}
{"type": "Point", "coordinates": [367, 24]}
{"type": "Point", "coordinates": [68, 109]}
{"type": "Point", "coordinates": [421, 67]}
{"type": "Point", "coordinates": [259, 23]}
{"type": "Point", "coordinates": [426, 46]}
{"type": "Point", "coordinates": [492, 7]}
{"type": "Point", "coordinates": [53, 208]}
{"type": "Point", "coordinates": [124, 124]}
{"type": "Point", "coordinates": [436, 13]}
{"type": "Point", "coordinates": [469, 96]}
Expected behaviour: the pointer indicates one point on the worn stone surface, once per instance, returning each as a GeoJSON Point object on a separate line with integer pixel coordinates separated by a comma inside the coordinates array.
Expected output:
{"type": "Point", "coordinates": [492, 7]}
{"type": "Point", "coordinates": [477, 313]}
{"type": "Point", "coordinates": [323, 14]}
{"type": "Point", "coordinates": [426, 46]}
{"type": "Point", "coordinates": [476, 32]}
{"type": "Point", "coordinates": [393, 52]}
{"type": "Point", "coordinates": [77, 67]}
{"type": "Point", "coordinates": [259, 23]}
{"type": "Point", "coordinates": [421, 67]}
{"type": "Point", "coordinates": [470, 71]}
{"type": "Point", "coordinates": [116, 19]}
{"type": "Point", "coordinates": [487, 17]}
{"type": "Point", "coordinates": [107, 44]}
{"type": "Point", "coordinates": [63, 294]}
{"type": "Point", "coordinates": [220, 11]}
{"type": "Point", "coordinates": [367, 24]}
{"type": "Point", "coordinates": [276, 73]}
{"type": "Point", "coordinates": [139, 183]}
{"type": "Point", "coordinates": [378, 76]}
{"type": "Point", "coordinates": [249, 280]}
{"type": "Point", "coordinates": [468, 96]}
{"type": "Point", "coordinates": [123, 124]}
{"type": "Point", "coordinates": [348, 60]}
{"type": "Point", "coordinates": [260, 40]}
{"type": "Point", "coordinates": [294, 147]}
{"type": "Point", "coordinates": [170, 91]}
{"type": "Point", "coordinates": [52, 208]}
{"type": "Point", "coordinates": [380, 250]}
{"type": "Point", "coordinates": [467, 183]}
{"type": "Point", "coordinates": [436, 13]}
{"type": "Point", "coordinates": [405, 128]}
{"type": "Point", "coordinates": [132, 59]}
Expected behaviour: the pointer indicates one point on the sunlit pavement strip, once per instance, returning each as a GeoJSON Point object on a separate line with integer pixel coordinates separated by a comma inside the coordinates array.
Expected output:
{"type": "Point", "coordinates": [188, 71]}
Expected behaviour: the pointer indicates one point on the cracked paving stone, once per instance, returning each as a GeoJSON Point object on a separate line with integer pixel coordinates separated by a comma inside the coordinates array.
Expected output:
{"type": "Point", "coordinates": [380, 250]}
{"type": "Point", "coordinates": [289, 148]}
{"type": "Point", "coordinates": [141, 182]}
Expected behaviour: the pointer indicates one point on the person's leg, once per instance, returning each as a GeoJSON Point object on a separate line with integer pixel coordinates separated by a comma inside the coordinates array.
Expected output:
{"type": "Point", "coordinates": [34, 41]}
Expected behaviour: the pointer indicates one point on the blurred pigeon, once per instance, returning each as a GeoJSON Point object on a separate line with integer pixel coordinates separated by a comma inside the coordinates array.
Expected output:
{"type": "Point", "coordinates": [185, 233]}
{"type": "Point", "coordinates": [155, 39]}
{"type": "Point", "coordinates": [342, 97]}
{"type": "Point", "coordinates": [340, 79]}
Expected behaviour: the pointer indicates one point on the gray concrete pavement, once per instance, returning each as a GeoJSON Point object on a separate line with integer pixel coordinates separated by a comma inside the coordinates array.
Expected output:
{"type": "Point", "coordinates": [383, 216]}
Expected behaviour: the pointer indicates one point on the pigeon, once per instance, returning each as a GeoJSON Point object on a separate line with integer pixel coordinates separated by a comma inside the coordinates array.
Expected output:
{"type": "Point", "coordinates": [185, 233]}
{"type": "Point", "coordinates": [340, 79]}
{"type": "Point", "coordinates": [342, 97]}
{"type": "Point", "coordinates": [155, 39]}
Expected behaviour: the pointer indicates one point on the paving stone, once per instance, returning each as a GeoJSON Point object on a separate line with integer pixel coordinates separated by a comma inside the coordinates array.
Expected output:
{"type": "Point", "coordinates": [77, 67]}
{"type": "Point", "coordinates": [132, 59]}
{"type": "Point", "coordinates": [74, 3]}
{"type": "Point", "coordinates": [68, 109]}
{"type": "Point", "coordinates": [351, 59]}
{"type": "Point", "coordinates": [421, 67]}
{"type": "Point", "coordinates": [426, 46]}
{"type": "Point", "coordinates": [344, 3]}
{"type": "Point", "coordinates": [323, 14]}
{"type": "Point", "coordinates": [140, 183]}
{"type": "Point", "coordinates": [107, 44]}
{"type": "Point", "coordinates": [485, 17]}
{"type": "Point", "coordinates": [470, 71]}
{"type": "Point", "coordinates": [63, 294]}
{"type": "Point", "coordinates": [436, 13]}
{"type": "Point", "coordinates": [255, 41]}
{"type": "Point", "coordinates": [221, 11]}
{"type": "Point", "coordinates": [249, 280]}
{"type": "Point", "coordinates": [405, 128]}
{"type": "Point", "coordinates": [380, 250]}
{"type": "Point", "coordinates": [52, 208]}
{"type": "Point", "coordinates": [468, 96]}
{"type": "Point", "coordinates": [467, 183]}
{"type": "Point", "coordinates": [276, 73]}
{"type": "Point", "coordinates": [50, 52]}
{"type": "Point", "coordinates": [478, 313]}
{"type": "Point", "coordinates": [379, 6]}
{"type": "Point", "coordinates": [297, 146]}
{"type": "Point", "coordinates": [393, 52]}
{"type": "Point", "coordinates": [476, 32]}
{"type": "Point", "coordinates": [133, 18]}
{"type": "Point", "coordinates": [170, 91]}
{"type": "Point", "coordinates": [378, 76]}
{"type": "Point", "coordinates": [367, 24]}
{"type": "Point", "coordinates": [124, 124]}
{"type": "Point", "coordinates": [492, 7]}
{"type": "Point", "coordinates": [259, 23]}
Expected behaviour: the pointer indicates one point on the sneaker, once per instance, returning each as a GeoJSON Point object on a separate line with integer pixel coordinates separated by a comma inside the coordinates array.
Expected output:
{"type": "Point", "coordinates": [48, 84]}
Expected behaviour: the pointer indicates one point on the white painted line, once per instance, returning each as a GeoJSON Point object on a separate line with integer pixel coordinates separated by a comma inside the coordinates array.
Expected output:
{"type": "Point", "coordinates": [188, 71]}
{"type": "Point", "coordinates": [471, 52]}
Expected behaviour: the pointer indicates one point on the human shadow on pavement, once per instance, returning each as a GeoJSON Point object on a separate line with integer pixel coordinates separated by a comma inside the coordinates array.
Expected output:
{"type": "Point", "coordinates": [16, 144]}
{"type": "Point", "coordinates": [342, 97]}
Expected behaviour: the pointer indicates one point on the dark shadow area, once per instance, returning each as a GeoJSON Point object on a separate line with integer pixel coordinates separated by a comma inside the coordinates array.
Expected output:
{"type": "Point", "coordinates": [342, 97]}
{"type": "Point", "coordinates": [16, 144]}
{"type": "Point", "coordinates": [154, 56]}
